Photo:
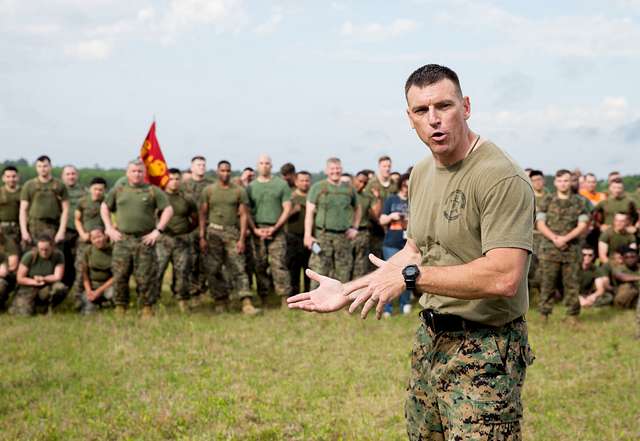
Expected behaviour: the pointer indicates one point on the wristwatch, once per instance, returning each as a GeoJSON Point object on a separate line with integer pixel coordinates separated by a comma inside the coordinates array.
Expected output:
{"type": "Point", "coordinates": [411, 274]}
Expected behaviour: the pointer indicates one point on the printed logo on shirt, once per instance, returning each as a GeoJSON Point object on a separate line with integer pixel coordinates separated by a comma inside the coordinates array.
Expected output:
{"type": "Point", "coordinates": [455, 203]}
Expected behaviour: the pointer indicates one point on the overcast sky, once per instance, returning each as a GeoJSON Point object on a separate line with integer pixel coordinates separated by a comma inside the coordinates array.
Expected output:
{"type": "Point", "coordinates": [554, 83]}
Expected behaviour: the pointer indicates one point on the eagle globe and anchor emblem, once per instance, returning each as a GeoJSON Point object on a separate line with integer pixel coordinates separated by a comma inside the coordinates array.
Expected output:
{"type": "Point", "coordinates": [455, 203]}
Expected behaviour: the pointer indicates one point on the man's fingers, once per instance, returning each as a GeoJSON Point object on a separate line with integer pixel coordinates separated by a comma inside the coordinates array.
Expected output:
{"type": "Point", "coordinates": [315, 276]}
{"type": "Point", "coordinates": [356, 285]}
{"type": "Point", "coordinates": [367, 307]}
{"type": "Point", "coordinates": [380, 308]}
{"type": "Point", "coordinates": [299, 298]}
{"type": "Point", "coordinates": [362, 298]}
{"type": "Point", "coordinates": [376, 261]}
{"type": "Point", "coordinates": [305, 305]}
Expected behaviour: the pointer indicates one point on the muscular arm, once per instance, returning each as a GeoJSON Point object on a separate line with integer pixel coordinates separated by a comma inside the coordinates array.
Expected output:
{"type": "Point", "coordinates": [57, 275]}
{"type": "Point", "coordinates": [105, 214]}
{"type": "Point", "coordinates": [64, 217]}
{"type": "Point", "coordinates": [286, 211]}
{"type": "Point", "coordinates": [244, 220]}
{"type": "Point", "coordinates": [545, 230]}
{"type": "Point", "coordinates": [202, 219]}
{"type": "Point", "coordinates": [357, 216]}
{"type": "Point", "coordinates": [577, 231]}
{"type": "Point", "coordinates": [308, 223]}
{"type": "Point", "coordinates": [23, 279]}
{"type": "Point", "coordinates": [622, 277]}
{"type": "Point", "coordinates": [77, 220]}
{"type": "Point", "coordinates": [603, 252]}
{"type": "Point", "coordinates": [165, 217]}
{"type": "Point", "coordinates": [23, 220]}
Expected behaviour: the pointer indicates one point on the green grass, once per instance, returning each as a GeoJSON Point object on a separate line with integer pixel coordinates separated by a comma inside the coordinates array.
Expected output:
{"type": "Point", "coordinates": [284, 375]}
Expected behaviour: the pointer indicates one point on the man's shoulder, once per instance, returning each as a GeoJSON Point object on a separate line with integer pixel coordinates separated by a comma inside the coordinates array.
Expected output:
{"type": "Point", "coordinates": [495, 164]}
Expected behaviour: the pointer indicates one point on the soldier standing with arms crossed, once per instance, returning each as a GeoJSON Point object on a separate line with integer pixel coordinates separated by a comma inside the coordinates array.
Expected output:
{"type": "Point", "coordinates": [44, 205]}
{"type": "Point", "coordinates": [176, 244]}
{"type": "Point", "coordinates": [562, 218]}
{"type": "Point", "coordinates": [468, 246]}
{"type": "Point", "coordinates": [134, 236]}
{"type": "Point", "coordinates": [270, 199]}
{"type": "Point", "coordinates": [224, 219]}
{"type": "Point", "coordinates": [332, 207]}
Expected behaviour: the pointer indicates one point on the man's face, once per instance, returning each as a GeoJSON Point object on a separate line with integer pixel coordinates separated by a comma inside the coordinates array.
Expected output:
{"type": "Point", "coordinates": [575, 182]}
{"type": "Point", "coordinates": [616, 189]}
{"type": "Point", "coordinates": [620, 222]}
{"type": "Point", "coordinates": [264, 166]}
{"type": "Point", "coordinates": [333, 170]}
{"type": "Point", "coordinates": [70, 176]}
{"type": "Point", "coordinates": [173, 185]}
{"type": "Point", "coordinates": [198, 168]}
{"type": "Point", "coordinates": [360, 182]}
{"type": "Point", "coordinates": [247, 176]}
{"type": "Point", "coordinates": [135, 174]}
{"type": "Point", "coordinates": [43, 169]}
{"type": "Point", "coordinates": [630, 259]}
{"type": "Point", "coordinates": [97, 192]}
{"type": "Point", "coordinates": [612, 177]}
{"type": "Point", "coordinates": [44, 249]}
{"type": "Point", "coordinates": [563, 183]}
{"type": "Point", "coordinates": [98, 238]}
{"type": "Point", "coordinates": [10, 179]}
{"type": "Point", "coordinates": [438, 114]}
{"type": "Point", "coordinates": [537, 182]}
{"type": "Point", "coordinates": [590, 183]}
{"type": "Point", "coordinates": [303, 182]}
{"type": "Point", "coordinates": [384, 169]}
{"type": "Point", "coordinates": [224, 173]}
{"type": "Point", "coordinates": [588, 257]}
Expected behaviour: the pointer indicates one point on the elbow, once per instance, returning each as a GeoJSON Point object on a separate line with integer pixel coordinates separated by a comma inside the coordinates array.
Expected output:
{"type": "Point", "coordinates": [507, 286]}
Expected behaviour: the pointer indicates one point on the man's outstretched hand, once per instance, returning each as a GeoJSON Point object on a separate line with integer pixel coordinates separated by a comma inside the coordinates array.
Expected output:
{"type": "Point", "coordinates": [328, 297]}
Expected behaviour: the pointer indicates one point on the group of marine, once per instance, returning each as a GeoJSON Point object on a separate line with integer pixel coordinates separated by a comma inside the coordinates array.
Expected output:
{"type": "Point", "coordinates": [222, 234]}
{"type": "Point", "coordinates": [219, 235]}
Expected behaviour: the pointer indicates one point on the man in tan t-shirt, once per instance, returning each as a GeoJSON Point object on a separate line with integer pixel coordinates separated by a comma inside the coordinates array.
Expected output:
{"type": "Point", "coordinates": [471, 215]}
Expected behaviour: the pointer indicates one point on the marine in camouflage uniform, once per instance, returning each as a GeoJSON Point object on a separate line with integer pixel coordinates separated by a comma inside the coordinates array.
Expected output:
{"type": "Point", "coordinates": [297, 254]}
{"type": "Point", "coordinates": [370, 208]}
{"type": "Point", "coordinates": [44, 205]}
{"type": "Point", "coordinates": [176, 244]}
{"type": "Point", "coordinates": [39, 279]}
{"type": "Point", "coordinates": [335, 211]}
{"type": "Point", "coordinates": [270, 203]}
{"type": "Point", "coordinates": [562, 215]}
{"type": "Point", "coordinates": [10, 212]}
{"type": "Point", "coordinates": [537, 182]}
{"type": "Point", "coordinates": [97, 277]}
{"type": "Point", "coordinates": [76, 193]}
{"type": "Point", "coordinates": [223, 226]}
{"type": "Point", "coordinates": [379, 190]}
{"type": "Point", "coordinates": [192, 189]}
{"type": "Point", "coordinates": [135, 205]}
{"type": "Point", "coordinates": [7, 280]}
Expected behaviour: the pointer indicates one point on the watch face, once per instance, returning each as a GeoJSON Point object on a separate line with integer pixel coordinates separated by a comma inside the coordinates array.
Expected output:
{"type": "Point", "coordinates": [410, 271]}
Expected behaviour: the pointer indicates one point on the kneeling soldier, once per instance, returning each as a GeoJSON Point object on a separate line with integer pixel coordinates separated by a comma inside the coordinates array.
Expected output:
{"type": "Point", "coordinates": [97, 278]}
{"type": "Point", "coordinates": [40, 278]}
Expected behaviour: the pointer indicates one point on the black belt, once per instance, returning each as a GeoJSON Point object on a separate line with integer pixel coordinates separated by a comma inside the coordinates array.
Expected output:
{"type": "Point", "coordinates": [363, 228]}
{"type": "Point", "coordinates": [328, 230]}
{"type": "Point", "coordinates": [452, 323]}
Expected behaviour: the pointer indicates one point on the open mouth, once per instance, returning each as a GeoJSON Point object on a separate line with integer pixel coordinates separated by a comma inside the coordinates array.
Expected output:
{"type": "Point", "coordinates": [438, 136]}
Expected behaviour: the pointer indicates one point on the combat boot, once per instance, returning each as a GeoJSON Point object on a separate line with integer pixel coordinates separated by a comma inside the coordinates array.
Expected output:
{"type": "Point", "coordinates": [248, 308]}
{"type": "Point", "coordinates": [120, 310]}
{"type": "Point", "coordinates": [221, 306]}
{"type": "Point", "coordinates": [147, 312]}
{"type": "Point", "coordinates": [183, 305]}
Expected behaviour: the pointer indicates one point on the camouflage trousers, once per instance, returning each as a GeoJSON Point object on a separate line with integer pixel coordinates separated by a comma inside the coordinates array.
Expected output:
{"type": "Point", "coordinates": [81, 249]}
{"type": "Point", "coordinates": [198, 277]}
{"type": "Point", "coordinates": [106, 299]}
{"type": "Point", "coordinates": [222, 253]}
{"type": "Point", "coordinates": [6, 286]}
{"type": "Point", "coordinates": [550, 273]}
{"type": "Point", "coordinates": [39, 227]}
{"type": "Point", "coordinates": [626, 295]}
{"type": "Point", "coordinates": [466, 385]}
{"type": "Point", "coordinates": [297, 261]}
{"type": "Point", "coordinates": [335, 258]}
{"type": "Point", "coordinates": [10, 238]}
{"type": "Point", "coordinates": [177, 250]}
{"type": "Point", "coordinates": [361, 250]}
{"type": "Point", "coordinates": [272, 254]}
{"type": "Point", "coordinates": [132, 257]}
{"type": "Point", "coordinates": [28, 298]}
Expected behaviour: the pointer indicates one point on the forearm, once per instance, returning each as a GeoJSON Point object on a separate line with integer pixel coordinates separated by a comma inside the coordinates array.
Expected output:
{"type": "Point", "coordinates": [546, 231]}
{"type": "Point", "coordinates": [64, 217]}
{"type": "Point", "coordinates": [165, 217]}
{"type": "Point", "coordinates": [577, 231]}
{"type": "Point", "coordinates": [624, 278]}
{"type": "Point", "coordinates": [57, 275]}
{"type": "Point", "coordinates": [286, 210]}
{"type": "Point", "coordinates": [357, 216]}
{"type": "Point", "coordinates": [22, 217]}
{"type": "Point", "coordinates": [105, 214]}
{"type": "Point", "coordinates": [202, 220]}
{"type": "Point", "coordinates": [243, 223]}
{"type": "Point", "coordinates": [308, 220]}
{"type": "Point", "coordinates": [384, 219]}
{"type": "Point", "coordinates": [600, 286]}
{"type": "Point", "coordinates": [102, 288]}
{"type": "Point", "coordinates": [485, 277]}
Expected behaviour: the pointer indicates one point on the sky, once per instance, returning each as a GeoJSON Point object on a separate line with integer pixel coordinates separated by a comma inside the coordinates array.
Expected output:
{"type": "Point", "coordinates": [553, 83]}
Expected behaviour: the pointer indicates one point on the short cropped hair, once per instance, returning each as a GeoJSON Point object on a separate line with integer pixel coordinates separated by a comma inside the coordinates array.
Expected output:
{"type": "Point", "coordinates": [287, 169]}
{"type": "Point", "coordinates": [44, 238]}
{"type": "Point", "coordinates": [616, 181]}
{"type": "Point", "coordinates": [9, 168]}
{"type": "Point", "coordinates": [43, 158]}
{"type": "Point", "coordinates": [248, 169]}
{"type": "Point", "coordinates": [536, 173]}
{"type": "Point", "coordinates": [383, 158]}
{"type": "Point", "coordinates": [334, 160]}
{"type": "Point", "coordinates": [224, 162]}
{"type": "Point", "coordinates": [137, 162]}
{"type": "Point", "coordinates": [431, 74]}
{"type": "Point", "coordinates": [562, 172]}
{"type": "Point", "coordinates": [198, 157]}
{"type": "Point", "coordinates": [303, 172]}
{"type": "Point", "coordinates": [98, 180]}
{"type": "Point", "coordinates": [175, 171]}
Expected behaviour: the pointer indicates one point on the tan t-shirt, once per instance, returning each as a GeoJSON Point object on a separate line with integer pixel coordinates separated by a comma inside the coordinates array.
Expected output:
{"type": "Point", "coordinates": [458, 213]}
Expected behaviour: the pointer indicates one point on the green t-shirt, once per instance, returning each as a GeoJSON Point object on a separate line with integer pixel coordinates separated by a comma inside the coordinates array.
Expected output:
{"type": "Point", "coordinates": [76, 193]}
{"type": "Point", "coordinates": [39, 266]}
{"type": "Point", "coordinates": [587, 278]}
{"type": "Point", "coordinates": [460, 212]}
{"type": "Point", "coordinates": [90, 213]}
{"type": "Point", "coordinates": [385, 192]}
{"type": "Point", "coordinates": [98, 264]}
{"type": "Point", "coordinates": [624, 269]}
{"type": "Point", "coordinates": [45, 198]}
{"type": "Point", "coordinates": [9, 205]}
{"type": "Point", "coordinates": [365, 200]}
{"type": "Point", "coordinates": [295, 223]}
{"type": "Point", "coordinates": [335, 205]}
{"type": "Point", "coordinates": [224, 203]}
{"type": "Point", "coordinates": [184, 213]}
{"type": "Point", "coordinates": [609, 207]}
{"type": "Point", "coordinates": [266, 199]}
{"type": "Point", "coordinates": [135, 207]}
{"type": "Point", "coordinates": [615, 240]}
{"type": "Point", "coordinates": [193, 189]}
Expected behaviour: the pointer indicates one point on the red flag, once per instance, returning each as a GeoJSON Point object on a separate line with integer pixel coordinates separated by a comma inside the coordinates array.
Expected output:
{"type": "Point", "coordinates": [155, 166]}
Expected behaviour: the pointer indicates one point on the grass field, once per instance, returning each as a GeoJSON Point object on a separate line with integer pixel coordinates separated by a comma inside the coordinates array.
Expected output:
{"type": "Point", "coordinates": [284, 375]}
